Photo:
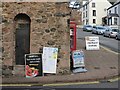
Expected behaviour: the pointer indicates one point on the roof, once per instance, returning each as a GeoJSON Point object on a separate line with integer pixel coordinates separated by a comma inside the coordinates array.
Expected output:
{"type": "Point", "coordinates": [87, 3]}
{"type": "Point", "coordinates": [114, 5]}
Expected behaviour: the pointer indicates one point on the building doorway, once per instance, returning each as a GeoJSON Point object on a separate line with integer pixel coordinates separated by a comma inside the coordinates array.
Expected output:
{"type": "Point", "coordinates": [22, 37]}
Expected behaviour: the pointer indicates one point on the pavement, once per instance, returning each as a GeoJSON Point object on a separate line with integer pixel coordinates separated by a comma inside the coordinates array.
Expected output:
{"type": "Point", "coordinates": [100, 64]}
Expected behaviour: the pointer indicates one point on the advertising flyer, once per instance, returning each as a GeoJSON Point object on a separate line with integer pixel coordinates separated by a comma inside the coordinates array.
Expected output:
{"type": "Point", "coordinates": [49, 59]}
{"type": "Point", "coordinates": [33, 65]}
{"type": "Point", "coordinates": [92, 42]}
{"type": "Point", "coordinates": [78, 58]}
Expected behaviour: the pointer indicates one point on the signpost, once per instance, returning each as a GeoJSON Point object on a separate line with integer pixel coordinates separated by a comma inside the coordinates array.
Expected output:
{"type": "Point", "coordinates": [33, 65]}
{"type": "Point", "coordinates": [92, 42]}
{"type": "Point", "coordinates": [49, 59]}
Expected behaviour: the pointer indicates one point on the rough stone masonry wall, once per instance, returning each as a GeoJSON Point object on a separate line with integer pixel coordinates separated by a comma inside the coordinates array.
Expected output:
{"type": "Point", "coordinates": [76, 15]}
{"type": "Point", "coordinates": [48, 28]}
{"type": "Point", "coordinates": [0, 39]}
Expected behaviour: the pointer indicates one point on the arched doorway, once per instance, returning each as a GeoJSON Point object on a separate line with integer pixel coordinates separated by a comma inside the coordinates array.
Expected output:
{"type": "Point", "coordinates": [22, 37]}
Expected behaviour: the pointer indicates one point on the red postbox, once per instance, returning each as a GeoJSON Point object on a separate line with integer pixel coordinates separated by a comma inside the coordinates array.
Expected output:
{"type": "Point", "coordinates": [72, 35]}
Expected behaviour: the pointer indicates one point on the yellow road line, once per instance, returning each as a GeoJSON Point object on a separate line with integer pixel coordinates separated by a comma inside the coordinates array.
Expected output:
{"type": "Point", "coordinates": [15, 84]}
{"type": "Point", "coordinates": [109, 50]}
{"type": "Point", "coordinates": [114, 79]}
{"type": "Point", "coordinates": [78, 83]}
{"type": "Point", "coordinates": [61, 84]}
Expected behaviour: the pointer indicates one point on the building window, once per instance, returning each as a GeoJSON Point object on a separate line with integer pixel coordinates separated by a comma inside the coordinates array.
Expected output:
{"type": "Point", "coordinates": [94, 12]}
{"type": "Point", "coordinates": [83, 21]}
{"type": "Point", "coordinates": [94, 20]}
{"type": "Point", "coordinates": [86, 13]}
{"type": "Point", "coordinates": [115, 21]}
{"type": "Point", "coordinates": [83, 15]}
{"type": "Point", "coordinates": [86, 6]}
{"type": "Point", "coordinates": [83, 7]}
{"type": "Point", "coordinates": [86, 21]}
{"type": "Point", "coordinates": [115, 10]}
{"type": "Point", "coordinates": [110, 21]}
{"type": "Point", "coordinates": [109, 11]}
{"type": "Point", "coordinates": [93, 4]}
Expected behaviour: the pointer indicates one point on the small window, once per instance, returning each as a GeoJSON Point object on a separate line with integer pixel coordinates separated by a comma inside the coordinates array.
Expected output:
{"type": "Point", "coordinates": [115, 10]}
{"type": "Point", "coordinates": [86, 13]}
{"type": "Point", "coordinates": [93, 4]}
{"type": "Point", "coordinates": [94, 12]}
{"type": "Point", "coordinates": [109, 11]}
{"type": "Point", "coordinates": [86, 6]}
{"type": "Point", "coordinates": [83, 21]}
{"type": "Point", "coordinates": [86, 21]}
{"type": "Point", "coordinates": [83, 7]}
{"type": "Point", "coordinates": [83, 15]}
{"type": "Point", "coordinates": [94, 20]}
{"type": "Point", "coordinates": [115, 21]}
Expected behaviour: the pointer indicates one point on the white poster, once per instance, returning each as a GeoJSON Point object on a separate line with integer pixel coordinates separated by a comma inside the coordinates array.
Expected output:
{"type": "Point", "coordinates": [92, 42]}
{"type": "Point", "coordinates": [78, 58]}
{"type": "Point", "coordinates": [49, 59]}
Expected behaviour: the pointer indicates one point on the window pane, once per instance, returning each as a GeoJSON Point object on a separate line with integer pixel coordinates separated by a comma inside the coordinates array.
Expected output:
{"type": "Point", "coordinates": [86, 6]}
{"type": "Point", "coordinates": [94, 12]}
{"type": "Point", "coordinates": [109, 11]}
{"type": "Point", "coordinates": [115, 10]}
{"type": "Point", "coordinates": [93, 4]}
{"type": "Point", "coordinates": [115, 21]}
{"type": "Point", "coordinates": [86, 13]}
{"type": "Point", "coordinates": [94, 20]}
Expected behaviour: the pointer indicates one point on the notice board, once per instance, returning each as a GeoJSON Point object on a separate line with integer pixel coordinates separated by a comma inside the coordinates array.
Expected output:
{"type": "Point", "coordinates": [49, 59]}
{"type": "Point", "coordinates": [33, 65]}
{"type": "Point", "coordinates": [92, 43]}
{"type": "Point", "coordinates": [78, 58]}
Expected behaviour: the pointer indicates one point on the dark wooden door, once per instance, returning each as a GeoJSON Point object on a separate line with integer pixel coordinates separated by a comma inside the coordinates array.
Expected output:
{"type": "Point", "coordinates": [22, 42]}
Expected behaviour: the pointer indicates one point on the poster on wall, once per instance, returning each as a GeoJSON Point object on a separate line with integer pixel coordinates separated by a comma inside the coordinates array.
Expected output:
{"type": "Point", "coordinates": [92, 42]}
{"type": "Point", "coordinates": [78, 58]}
{"type": "Point", "coordinates": [33, 65]}
{"type": "Point", "coordinates": [49, 59]}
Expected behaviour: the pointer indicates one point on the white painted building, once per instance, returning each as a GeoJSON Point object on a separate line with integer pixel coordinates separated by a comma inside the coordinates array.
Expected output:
{"type": "Point", "coordinates": [113, 15]}
{"type": "Point", "coordinates": [94, 10]}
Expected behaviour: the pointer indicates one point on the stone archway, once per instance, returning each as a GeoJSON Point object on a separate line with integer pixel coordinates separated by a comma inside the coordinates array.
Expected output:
{"type": "Point", "coordinates": [22, 37]}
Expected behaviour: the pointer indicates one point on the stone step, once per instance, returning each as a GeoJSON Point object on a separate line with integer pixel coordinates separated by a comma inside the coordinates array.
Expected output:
{"type": "Point", "coordinates": [19, 70]}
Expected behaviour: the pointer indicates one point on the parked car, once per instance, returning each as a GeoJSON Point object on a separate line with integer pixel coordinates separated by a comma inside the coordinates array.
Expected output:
{"type": "Point", "coordinates": [98, 29]}
{"type": "Point", "coordinates": [118, 35]}
{"type": "Point", "coordinates": [107, 32]}
{"type": "Point", "coordinates": [87, 28]}
{"type": "Point", "coordinates": [111, 32]}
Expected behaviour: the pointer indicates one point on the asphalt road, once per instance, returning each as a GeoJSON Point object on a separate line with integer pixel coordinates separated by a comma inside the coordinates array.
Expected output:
{"type": "Point", "coordinates": [102, 85]}
{"type": "Point", "coordinates": [110, 43]}
{"type": "Point", "coordinates": [99, 85]}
